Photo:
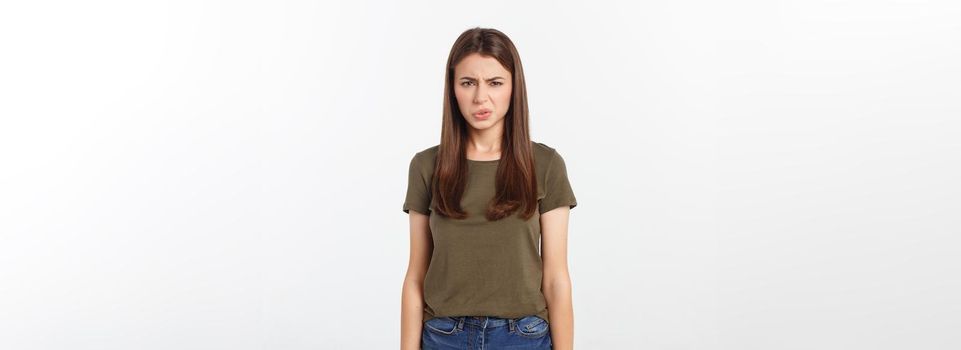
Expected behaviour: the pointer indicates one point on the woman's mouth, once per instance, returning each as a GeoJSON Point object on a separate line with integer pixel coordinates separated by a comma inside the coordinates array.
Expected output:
{"type": "Point", "coordinates": [483, 114]}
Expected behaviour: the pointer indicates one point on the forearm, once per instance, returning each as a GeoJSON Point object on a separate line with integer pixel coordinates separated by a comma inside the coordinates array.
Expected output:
{"type": "Point", "coordinates": [411, 314]}
{"type": "Point", "coordinates": [560, 308]}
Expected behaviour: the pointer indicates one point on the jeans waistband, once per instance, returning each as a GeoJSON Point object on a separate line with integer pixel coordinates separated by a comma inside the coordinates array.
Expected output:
{"type": "Point", "coordinates": [483, 321]}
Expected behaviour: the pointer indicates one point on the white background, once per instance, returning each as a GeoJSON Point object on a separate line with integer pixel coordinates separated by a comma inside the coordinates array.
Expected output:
{"type": "Point", "coordinates": [230, 175]}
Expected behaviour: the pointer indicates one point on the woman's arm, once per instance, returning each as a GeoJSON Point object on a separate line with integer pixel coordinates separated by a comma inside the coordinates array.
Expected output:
{"type": "Point", "coordinates": [412, 295]}
{"type": "Point", "coordinates": [557, 281]}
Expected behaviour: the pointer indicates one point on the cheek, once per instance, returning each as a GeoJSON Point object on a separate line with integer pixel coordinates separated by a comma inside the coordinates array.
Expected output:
{"type": "Point", "coordinates": [504, 96]}
{"type": "Point", "coordinates": [463, 97]}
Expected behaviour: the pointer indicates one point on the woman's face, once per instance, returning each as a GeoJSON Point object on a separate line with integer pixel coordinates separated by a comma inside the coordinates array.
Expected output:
{"type": "Point", "coordinates": [483, 90]}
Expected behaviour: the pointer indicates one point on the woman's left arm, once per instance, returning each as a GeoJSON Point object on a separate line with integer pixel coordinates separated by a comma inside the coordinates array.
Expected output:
{"type": "Point", "coordinates": [556, 284]}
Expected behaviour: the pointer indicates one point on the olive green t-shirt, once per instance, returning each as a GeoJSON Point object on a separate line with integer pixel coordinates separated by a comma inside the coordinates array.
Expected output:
{"type": "Point", "coordinates": [480, 267]}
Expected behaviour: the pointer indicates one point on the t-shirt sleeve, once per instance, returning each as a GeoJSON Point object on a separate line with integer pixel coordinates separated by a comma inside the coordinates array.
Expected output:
{"type": "Point", "coordinates": [418, 188]}
{"type": "Point", "coordinates": [558, 191]}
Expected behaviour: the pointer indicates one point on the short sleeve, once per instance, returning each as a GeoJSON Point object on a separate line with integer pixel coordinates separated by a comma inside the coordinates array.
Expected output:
{"type": "Point", "coordinates": [418, 187]}
{"type": "Point", "coordinates": [558, 191]}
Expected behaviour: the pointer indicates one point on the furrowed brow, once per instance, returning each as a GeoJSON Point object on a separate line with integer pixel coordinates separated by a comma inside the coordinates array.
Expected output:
{"type": "Point", "coordinates": [472, 79]}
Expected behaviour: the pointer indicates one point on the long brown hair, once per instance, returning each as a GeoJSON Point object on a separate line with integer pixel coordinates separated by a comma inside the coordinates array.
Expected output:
{"type": "Point", "coordinates": [516, 181]}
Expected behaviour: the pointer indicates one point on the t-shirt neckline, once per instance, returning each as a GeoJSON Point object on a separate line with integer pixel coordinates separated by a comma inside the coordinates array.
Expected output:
{"type": "Point", "coordinates": [484, 161]}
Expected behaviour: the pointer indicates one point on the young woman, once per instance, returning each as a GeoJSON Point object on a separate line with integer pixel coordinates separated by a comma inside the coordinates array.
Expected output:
{"type": "Point", "coordinates": [488, 213]}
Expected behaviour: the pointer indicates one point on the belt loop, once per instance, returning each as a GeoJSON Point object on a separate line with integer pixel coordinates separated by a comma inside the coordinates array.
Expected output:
{"type": "Point", "coordinates": [510, 324]}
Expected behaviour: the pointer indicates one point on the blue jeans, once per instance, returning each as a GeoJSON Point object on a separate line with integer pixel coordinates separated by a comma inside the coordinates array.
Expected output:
{"type": "Point", "coordinates": [486, 333]}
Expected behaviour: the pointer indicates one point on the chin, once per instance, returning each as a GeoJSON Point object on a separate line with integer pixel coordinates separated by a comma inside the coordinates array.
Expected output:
{"type": "Point", "coordinates": [478, 127]}
{"type": "Point", "coordinates": [486, 124]}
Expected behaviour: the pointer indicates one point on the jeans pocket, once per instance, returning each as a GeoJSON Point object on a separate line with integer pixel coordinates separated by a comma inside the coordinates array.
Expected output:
{"type": "Point", "coordinates": [531, 326]}
{"type": "Point", "coordinates": [443, 325]}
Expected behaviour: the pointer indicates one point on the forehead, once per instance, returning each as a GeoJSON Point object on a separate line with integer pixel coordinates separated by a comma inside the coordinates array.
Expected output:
{"type": "Point", "coordinates": [476, 65]}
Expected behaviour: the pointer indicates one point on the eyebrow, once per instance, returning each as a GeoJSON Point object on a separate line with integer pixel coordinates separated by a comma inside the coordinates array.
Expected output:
{"type": "Point", "coordinates": [472, 79]}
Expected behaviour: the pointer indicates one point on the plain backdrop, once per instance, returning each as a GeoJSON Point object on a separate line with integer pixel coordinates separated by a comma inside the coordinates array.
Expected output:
{"type": "Point", "coordinates": [230, 174]}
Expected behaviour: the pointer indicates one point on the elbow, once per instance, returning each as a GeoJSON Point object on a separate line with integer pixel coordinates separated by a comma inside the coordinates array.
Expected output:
{"type": "Point", "coordinates": [559, 284]}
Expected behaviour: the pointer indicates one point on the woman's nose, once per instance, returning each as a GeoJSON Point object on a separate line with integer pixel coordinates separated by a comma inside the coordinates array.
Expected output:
{"type": "Point", "coordinates": [480, 95]}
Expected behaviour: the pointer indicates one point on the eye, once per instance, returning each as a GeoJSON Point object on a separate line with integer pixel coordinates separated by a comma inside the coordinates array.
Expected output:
{"type": "Point", "coordinates": [497, 83]}
{"type": "Point", "coordinates": [466, 82]}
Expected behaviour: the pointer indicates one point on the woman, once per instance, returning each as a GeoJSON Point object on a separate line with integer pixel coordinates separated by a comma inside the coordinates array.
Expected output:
{"type": "Point", "coordinates": [479, 203]}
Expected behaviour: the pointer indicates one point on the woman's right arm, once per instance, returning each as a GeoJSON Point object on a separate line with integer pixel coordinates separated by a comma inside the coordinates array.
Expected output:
{"type": "Point", "coordinates": [412, 296]}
